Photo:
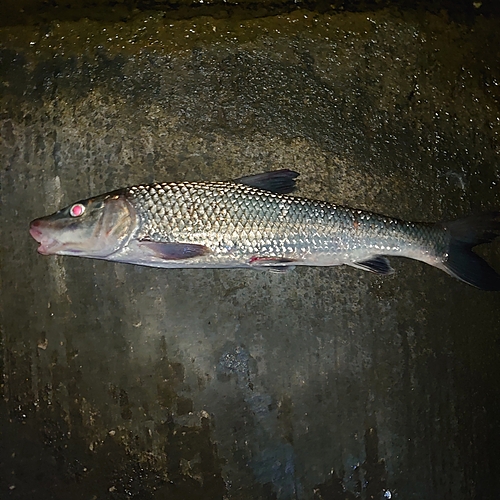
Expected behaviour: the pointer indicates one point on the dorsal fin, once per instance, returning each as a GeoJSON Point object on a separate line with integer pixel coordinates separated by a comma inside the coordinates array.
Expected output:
{"type": "Point", "coordinates": [277, 181]}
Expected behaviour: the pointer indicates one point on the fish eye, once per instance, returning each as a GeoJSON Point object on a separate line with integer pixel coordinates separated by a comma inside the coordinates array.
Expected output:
{"type": "Point", "coordinates": [77, 210]}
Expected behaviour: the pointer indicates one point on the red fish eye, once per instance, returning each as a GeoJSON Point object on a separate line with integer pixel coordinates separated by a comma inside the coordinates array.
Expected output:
{"type": "Point", "coordinates": [76, 210]}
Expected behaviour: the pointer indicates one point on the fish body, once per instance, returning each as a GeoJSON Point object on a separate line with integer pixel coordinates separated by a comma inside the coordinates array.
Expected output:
{"type": "Point", "coordinates": [253, 222]}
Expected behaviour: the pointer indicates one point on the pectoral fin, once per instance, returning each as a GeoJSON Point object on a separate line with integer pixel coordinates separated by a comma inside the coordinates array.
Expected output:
{"type": "Point", "coordinates": [378, 264]}
{"type": "Point", "coordinates": [175, 251]}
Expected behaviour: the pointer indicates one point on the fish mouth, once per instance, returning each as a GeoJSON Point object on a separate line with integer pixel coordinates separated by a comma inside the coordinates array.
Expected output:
{"type": "Point", "coordinates": [48, 245]}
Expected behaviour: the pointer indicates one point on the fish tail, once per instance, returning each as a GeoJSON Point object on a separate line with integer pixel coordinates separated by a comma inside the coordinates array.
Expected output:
{"type": "Point", "coordinates": [462, 262]}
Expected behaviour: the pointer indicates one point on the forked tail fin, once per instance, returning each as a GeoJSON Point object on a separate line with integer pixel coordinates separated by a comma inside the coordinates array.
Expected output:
{"type": "Point", "coordinates": [463, 263]}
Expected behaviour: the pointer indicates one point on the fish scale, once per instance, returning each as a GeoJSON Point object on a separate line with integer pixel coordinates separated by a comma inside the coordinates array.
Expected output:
{"type": "Point", "coordinates": [253, 222]}
{"type": "Point", "coordinates": [240, 220]}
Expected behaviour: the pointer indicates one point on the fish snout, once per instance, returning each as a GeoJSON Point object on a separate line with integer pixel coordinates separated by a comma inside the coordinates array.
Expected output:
{"type": "Point", "coordinates": [36, 230]}
{"type": "Point", "coordinates": [46, 242]}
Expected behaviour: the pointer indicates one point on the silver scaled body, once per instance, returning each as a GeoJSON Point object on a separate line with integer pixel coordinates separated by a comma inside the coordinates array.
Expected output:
{"type": "Point", "coordinates": [244, 226]}
{"type": "Point", "coordinates": [249, 223]}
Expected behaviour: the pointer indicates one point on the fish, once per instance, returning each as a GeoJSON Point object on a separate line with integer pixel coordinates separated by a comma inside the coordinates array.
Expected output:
{"type": "Point", "coordinates": [255, 222]}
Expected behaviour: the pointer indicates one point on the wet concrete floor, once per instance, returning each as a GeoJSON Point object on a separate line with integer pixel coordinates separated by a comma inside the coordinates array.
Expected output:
{"type": "Point", "coordinates": [127, 382]}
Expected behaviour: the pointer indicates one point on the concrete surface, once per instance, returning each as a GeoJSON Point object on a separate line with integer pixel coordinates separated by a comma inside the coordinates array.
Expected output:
{"type": "Point", "coordinates": [35, 12]}
{"type": "Point", "coordinates": [128, 382]}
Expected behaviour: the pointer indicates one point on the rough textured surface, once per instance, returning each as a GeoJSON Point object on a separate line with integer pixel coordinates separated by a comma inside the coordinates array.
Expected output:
{"type": "Point", "coordinates": [21, 12]}
{"type": "Point", "coordinates": [128, 382]}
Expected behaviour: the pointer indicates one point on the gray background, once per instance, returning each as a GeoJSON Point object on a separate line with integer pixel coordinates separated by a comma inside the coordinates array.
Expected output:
{"type": "Point", "coordinates": [129, 382]}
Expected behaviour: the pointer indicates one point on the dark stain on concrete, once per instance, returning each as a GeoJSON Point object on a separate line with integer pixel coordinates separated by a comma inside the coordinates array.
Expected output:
{"type": "Point", "coordinates": [45, 447]}
{"type": "Point", "coordinates": [367, 480]}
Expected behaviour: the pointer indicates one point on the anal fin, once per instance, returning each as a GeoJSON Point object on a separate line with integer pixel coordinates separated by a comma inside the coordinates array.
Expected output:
{"type": "Point", "coordinates": [377, 264]}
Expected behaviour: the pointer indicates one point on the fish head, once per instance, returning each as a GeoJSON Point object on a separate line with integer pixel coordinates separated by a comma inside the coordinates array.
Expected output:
{"type": "Point", "coordinates": [96, 227]}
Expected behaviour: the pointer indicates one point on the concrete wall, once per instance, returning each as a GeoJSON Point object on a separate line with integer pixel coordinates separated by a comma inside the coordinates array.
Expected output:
{"type": "Point", "coordinates": [129, 382]}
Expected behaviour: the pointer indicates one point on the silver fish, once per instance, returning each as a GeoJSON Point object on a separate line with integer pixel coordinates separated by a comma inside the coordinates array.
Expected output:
{"type": "Point", "coordinates": [252, 222]}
